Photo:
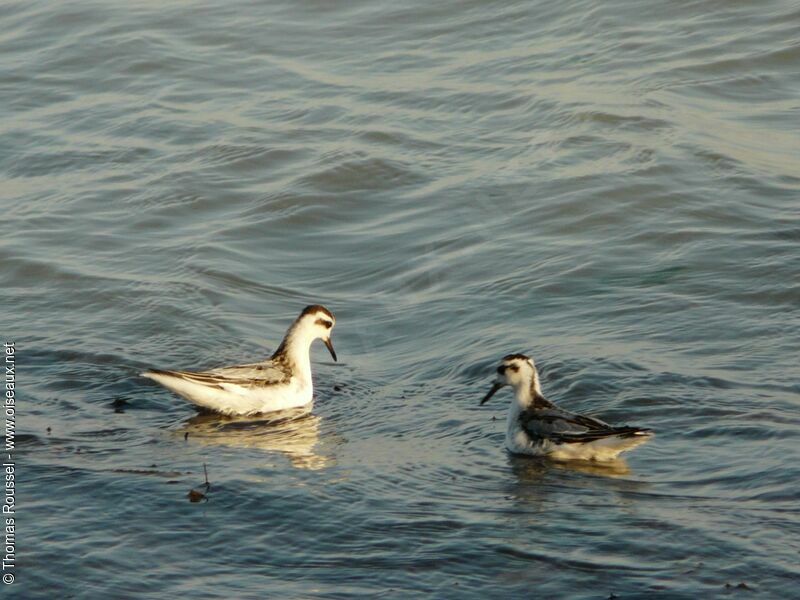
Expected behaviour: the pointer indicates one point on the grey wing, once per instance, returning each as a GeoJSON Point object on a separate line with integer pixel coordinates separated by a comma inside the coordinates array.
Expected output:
{"type": "Point", "coordinates": [249, 376]}
{"type": "Point", "coordinates": [557, 420]}
{"type": "Point", "coordinates": [562, 426]}
{"type": "Point", "coordinates": [254, 374]}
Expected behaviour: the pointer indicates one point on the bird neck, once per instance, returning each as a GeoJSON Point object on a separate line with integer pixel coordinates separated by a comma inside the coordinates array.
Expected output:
{"type": "Point", "coordinates": [527, 393]}
{"type": "Point", "coordinates": [294, 349]}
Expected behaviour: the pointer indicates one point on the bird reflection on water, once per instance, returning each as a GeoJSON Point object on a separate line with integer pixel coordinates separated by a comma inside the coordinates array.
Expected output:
{"type": "Point", "coordinates": [538, 478]}
{"type": "Point", "coordinates": [293, 433]}
{"type": "Point", "coordinates": [527, 468]}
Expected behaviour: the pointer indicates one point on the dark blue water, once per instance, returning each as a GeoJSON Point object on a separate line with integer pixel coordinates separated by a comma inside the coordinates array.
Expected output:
{"type": "Point", "coordinates": [610, 187]}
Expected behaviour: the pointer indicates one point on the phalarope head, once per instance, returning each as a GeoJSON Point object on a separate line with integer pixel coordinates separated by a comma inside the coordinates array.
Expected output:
{"type": "Point", "coordinates": [516, 370]}
{"type": "Point", "coordinates": [318, 322]}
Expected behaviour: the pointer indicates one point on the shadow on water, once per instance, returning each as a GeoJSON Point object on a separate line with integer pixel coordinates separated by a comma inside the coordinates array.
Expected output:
{"type": "Point", "coordinates": [294, 433]}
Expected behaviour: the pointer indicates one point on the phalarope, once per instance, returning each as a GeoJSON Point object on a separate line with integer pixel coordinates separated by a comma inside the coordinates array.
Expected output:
{"type": "Point", "coordinates": [280, 383]}
{"type": "Point", "coordinates": [537, 427]}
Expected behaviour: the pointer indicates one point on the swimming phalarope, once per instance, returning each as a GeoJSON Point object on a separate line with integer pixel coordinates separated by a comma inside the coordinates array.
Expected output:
{"type": "Point", "coordinates": [537, 427]}
{"type": "Point", "coordinates": [280, 383]}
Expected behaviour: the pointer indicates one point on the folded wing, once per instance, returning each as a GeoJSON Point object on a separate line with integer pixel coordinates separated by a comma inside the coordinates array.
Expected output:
{"type": "Point", "coordinates": [561, 426]}
{"type": "Point", "coordinates": [244, 376]}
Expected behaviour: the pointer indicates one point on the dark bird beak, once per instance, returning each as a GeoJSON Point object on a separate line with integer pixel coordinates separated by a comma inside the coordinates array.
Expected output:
{"type": "Point", "coordinates": [491, 393]}
{"type": "Point", "coordinates": [329, 345]}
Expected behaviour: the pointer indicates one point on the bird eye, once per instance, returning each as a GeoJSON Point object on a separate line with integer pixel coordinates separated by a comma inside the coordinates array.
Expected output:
{"type": "Point", "coordinates": [514, 368]}
{"type": "Point", "coordinates": [325, 323]}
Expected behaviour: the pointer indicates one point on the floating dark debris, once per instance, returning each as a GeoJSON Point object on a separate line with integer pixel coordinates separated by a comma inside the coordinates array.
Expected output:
{"type": "Point", "coordinates": [740, 586]}
{"type": "Point", "coordinates": [119, 405]}
{"type": "Point", "coordinates": [197, 496]}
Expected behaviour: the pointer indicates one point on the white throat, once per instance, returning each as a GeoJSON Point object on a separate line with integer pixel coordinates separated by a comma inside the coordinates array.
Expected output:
{"type": "Point", "coordinates": [526, 391]}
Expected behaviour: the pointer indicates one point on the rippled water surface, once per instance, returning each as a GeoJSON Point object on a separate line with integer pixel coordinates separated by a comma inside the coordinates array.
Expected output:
{"type": "Point", "coordinates": [612, 187]}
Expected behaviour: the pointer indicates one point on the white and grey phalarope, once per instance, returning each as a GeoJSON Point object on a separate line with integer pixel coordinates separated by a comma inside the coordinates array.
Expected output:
{"type": "Point", "coordinates": [279, 383]}
{"type": "Point", "coordinates": [537, 427]}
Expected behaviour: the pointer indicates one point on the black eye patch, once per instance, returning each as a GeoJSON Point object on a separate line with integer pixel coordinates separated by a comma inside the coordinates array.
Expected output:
{"type": "Point", "coordinates": [501, 369]}
{"type": "Point", "coordinates": [324, 323]}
